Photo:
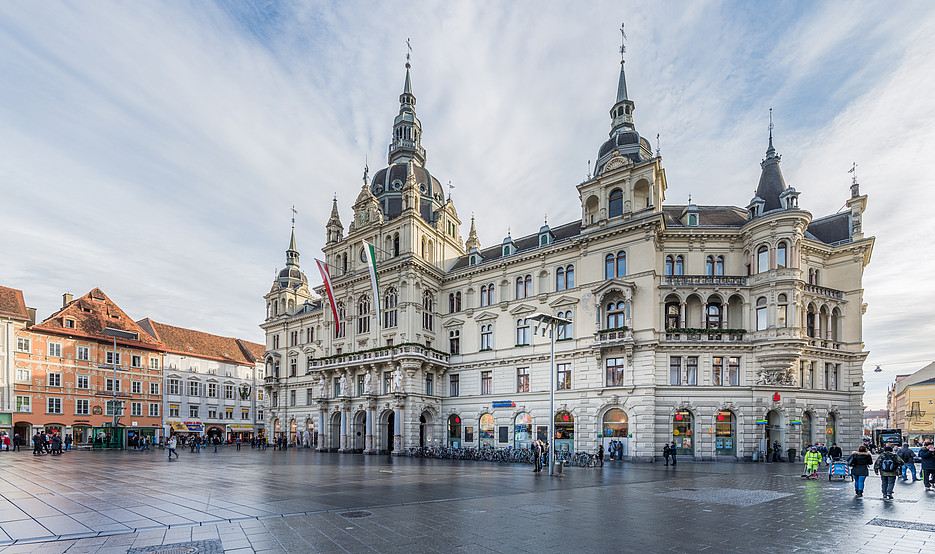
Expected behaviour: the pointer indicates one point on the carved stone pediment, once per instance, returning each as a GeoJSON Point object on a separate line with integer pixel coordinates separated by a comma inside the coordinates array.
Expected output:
{"type": "Point", "coordinates": [486, 316]}
{"type": "Point", "coordinates": [625, 288]}
{"type": "Point", "coordinates": [563, 301]}
{"type": "Point", "coordinates": [453, 322]}
{"type": "Point", "coordinates": [522, 309]}
{"type": "Point", "coordinates": [616, 162]}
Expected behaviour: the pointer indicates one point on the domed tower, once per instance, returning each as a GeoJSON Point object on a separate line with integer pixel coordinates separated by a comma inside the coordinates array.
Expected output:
{"type": "Point", "coordinates": [290, 287]}
{"type": "Point", "coordinates": [624, 139]}
{"type": "Point", "coordinates": [405, 156]}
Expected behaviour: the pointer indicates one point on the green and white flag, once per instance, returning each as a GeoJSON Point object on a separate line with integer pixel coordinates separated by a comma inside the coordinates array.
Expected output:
{"type": "Point", "coordinates": [372, 266]}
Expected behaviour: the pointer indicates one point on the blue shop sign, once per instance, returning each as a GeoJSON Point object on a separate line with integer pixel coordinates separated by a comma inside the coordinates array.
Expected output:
{"type": "Point", "coordinates": [502, 404]}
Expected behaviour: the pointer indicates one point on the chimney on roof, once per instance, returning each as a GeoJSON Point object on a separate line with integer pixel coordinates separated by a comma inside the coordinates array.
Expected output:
{"type": "Point", "coordinates": [32, 316]}
{"type": "Point", "coordinates": [66, 299]}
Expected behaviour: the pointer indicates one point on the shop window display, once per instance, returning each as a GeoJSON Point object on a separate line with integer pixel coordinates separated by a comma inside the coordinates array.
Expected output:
{"type": "Point", "coordinates": [564, 432]}
{"type": "Point", "coordinates": [522, 427]}
{"type": "Point", "coordinates": [724, 434]}
{"type": "Point", "coordinates": [486, 431]}
{"type": "Point", "coordinates": [683, 433]}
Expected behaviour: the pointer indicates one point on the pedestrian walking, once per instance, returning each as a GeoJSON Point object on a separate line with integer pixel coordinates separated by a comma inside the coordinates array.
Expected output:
{"type": "Point", "coordinates": [672, 453]}
{"type": "Point", "coordinates": [860, 462]}
{"type": "Point", "coordinates": [171, 444]}
{"type": "Point", "coordinates": [927, 453]}
{"type": "Point", "coordinates": [37, 444]}
{"type": "Point", "coordinates": [238, 444]}
{"type": "Point", "coordinates": [56, 445]}
{"type": "Point", "coordinates": [68, 440]}
{"type": "Point", "coordinates": [823, 450]}
{"type": "Point", "coordinates": [16, 442]}
{"type": "Point", "coordinates": [812, 460]}
{"type": "Point", "coordinates": [909, 462]}
{"type": "Point", "coordinates": [665, 452]}
{"type": "Point", "coordinates": [537, 456]}
{"type": "Point", "coordinates": [600, 453]}
{"type": "Point", "coordinates": [216, 441]}
{"type": "Point", "coordinates": [887, 467]}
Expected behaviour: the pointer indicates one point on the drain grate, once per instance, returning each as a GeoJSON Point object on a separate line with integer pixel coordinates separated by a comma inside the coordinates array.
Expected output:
{"type": "Point", "coordinates": [195, 547]}
{"type": "Point", "coordinates": [899, 524]}
{"type": "Point", "coordinates": [355, 515]}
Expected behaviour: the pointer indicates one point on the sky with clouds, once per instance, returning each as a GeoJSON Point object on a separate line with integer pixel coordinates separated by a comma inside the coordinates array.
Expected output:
{"type": "Point", "coordinates": [154, 149]}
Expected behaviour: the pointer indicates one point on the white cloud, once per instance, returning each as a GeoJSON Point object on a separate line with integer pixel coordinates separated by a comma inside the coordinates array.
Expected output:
{"type": "Point", "coordinates": [154, 150]}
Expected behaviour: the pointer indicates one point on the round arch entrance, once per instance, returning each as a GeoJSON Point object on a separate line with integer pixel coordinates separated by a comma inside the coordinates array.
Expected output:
{"type": "Point", "coordinates": [725, 433]}
{"type": "Point", "coordinates": [215, 432]}
{"type": "Point", "coordinates": [486, 428]}
{"type": "Point", "coordinates": [426, 434]}
{"type": "Point", "coordinates": [683, 433]}
{"type": "Point", "coordinates": [522, 430]}
{"type": "Point", "coordinates": [564, 432]}
{"type": "Point", "coordinates": [334, 428]}
{"type": "Point", "coordinates": [359, 431]}
{"type": "Point", "coordinates": [775, 435]}
{"type": "Point", "coordinates": [615, 427]}
{"type": "Point", "coordinates": [454, 431]}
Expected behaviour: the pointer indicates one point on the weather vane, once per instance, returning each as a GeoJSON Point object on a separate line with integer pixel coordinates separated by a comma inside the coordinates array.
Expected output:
{"type": "Point", "coordinates": [450, 186]}
{"type": "Point", "coordinates": [293, 216]}
{"type": "Point", "coordinates": [409, 52]}
{"type": "Point", "coordinates": [771, 124]}
{"type": "Point", "coordinates": [623, 38]}
{"type": "Point", "coordinates": [853, 170]}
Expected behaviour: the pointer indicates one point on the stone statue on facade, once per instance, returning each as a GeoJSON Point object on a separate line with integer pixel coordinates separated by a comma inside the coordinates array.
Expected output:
{"type": "Point", "coordinates": [368, 383]}
{"type": "Point", "coordinates": [344, 385]}
{"type": "Point", "coordinates": [398, 380]}
{"type": "Point", "coordinates": [321, 386]}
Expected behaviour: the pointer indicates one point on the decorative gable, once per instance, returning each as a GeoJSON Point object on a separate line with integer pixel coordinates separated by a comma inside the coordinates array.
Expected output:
{"type": "Point", "coordinates": [563, 301]}
{"type": "Point", "coordinates": [486, 316]}
{"type": "Point", "coordinates": [522, 309]}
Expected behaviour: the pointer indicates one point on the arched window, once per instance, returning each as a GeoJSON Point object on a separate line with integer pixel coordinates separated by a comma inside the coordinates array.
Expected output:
{"type": "Point", "coordinates": [363, 315]}
{"type": "Point", "coordinates": [673, 319]}
{"type": "Point", "coordinates": [761, 322]}
{"type": "Point", "coordinates": [616, 315]}
{"type": "Point", "coordinates": [458, 301]}
{"type": "Point", "coordinates": [486, 337]}
{"type": "Point", "coordinates": [782, 310]}
{"type": "Point", "coordinates": [560, 278]}
{"type": "Point", "coordinates": [344, 261]}
{"type": "Point", "coordinates": [396, 244]}
{"type": "Point", "coordinates": [570, 277]}
{"type": "Point", "coordinates": [522, 332]}
{"type": "Point", "coordinates": [679, 265]}
{"type": "Point", "coordinates": [616, 203]}
{"type": "Point", "coordinates": [451, 303]}
{"type": "Point", "coordinates": [486, 431]}
{"type": "Point", "coordinates": [817, 278]}
{"type": "Point", "coordinates": [781, 255]}
{"type": "Point", "coordinates": [609, 266]}
{"type": "Point", "coordinates": [670, 265]}
{"type": "Point", "coordinates": [719, 265]}
{"type": "Point", "coordinates": [709, 266]}
{"type": "Point", "coordinates": [714, 316]}
{"type": "Point", "coordinates": [520, 288]}
{"type": "Point", "coordinates": [389, 308]}
{"type": "Point", "coordinates": [454, 341]}
{"type": "Point", "coordinates": [810, 322]}
{"type": "Point", "coordinates": [483, 295]}
{"type": "Point", "coordinates": [473, 260]}
{"type": "Point", "coordinates": [522, 427]}
{"type": "Point", "coordinates": [428, 307]}
{"type": "Point", "coordinates": [340, 329]}
{"type": "Point", "coordinates": [564, 328]}
{"type": "Point", "coordinates": [762, 259]}
{"type": "Point", "coordinates": [621, 263]}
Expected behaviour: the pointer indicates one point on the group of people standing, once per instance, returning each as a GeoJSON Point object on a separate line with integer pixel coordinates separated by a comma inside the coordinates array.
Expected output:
{"type": "Point", "coordinates": [890, 464]}
{"type": "Point", "coordinates": [49, 443]}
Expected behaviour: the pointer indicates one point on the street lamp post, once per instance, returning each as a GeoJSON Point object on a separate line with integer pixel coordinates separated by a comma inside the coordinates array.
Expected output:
{"type": "Point", "coordinates": [550, 321]}
{"type": "Point", "coordinates": [114, 333]}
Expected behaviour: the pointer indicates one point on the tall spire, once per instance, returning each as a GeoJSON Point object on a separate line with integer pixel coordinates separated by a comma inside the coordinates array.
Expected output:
{"type": "Point", "coordinates": [771, 183]}
{"type": "Point", "coordinates": [407, 130]}
{"type": "Point", "coordinates": [472, 241]}
{"type": "Point", "coordinates": [334, 227]}
{"type": "Point", "coordinates": [621, 115]}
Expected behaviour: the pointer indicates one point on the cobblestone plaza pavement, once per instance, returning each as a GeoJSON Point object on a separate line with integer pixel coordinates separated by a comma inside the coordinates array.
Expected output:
{"type": "Point", "coordinates": [304, 501]}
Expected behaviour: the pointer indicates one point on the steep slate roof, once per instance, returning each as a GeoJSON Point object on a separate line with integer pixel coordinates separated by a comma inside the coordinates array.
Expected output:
{"type": "Point", "coordinates": [12, 304]}
{"type": "Point", "coordinates": [252, 349]}
{"type": "Point", "coordinates": [831, 229]}
{"type": "Point", "coordinates": [199, 344]}
{"type": "Point", "coordinates": [708, 216]}
{"type": "Point", "coordinates": [523, 244]}
{"type": "Point", "coordinates": [92, 313]}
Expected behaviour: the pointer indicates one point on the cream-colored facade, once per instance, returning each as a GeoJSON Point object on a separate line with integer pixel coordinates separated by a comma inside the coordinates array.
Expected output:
{"type": "Point", "coordinates": [912, 405]}
{"type": "Point", "coordinates": [720, 328]}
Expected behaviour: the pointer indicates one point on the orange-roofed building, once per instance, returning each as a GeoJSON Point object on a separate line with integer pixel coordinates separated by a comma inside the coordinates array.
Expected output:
{"type": "Point", "coordinates": [14, 317]}
{"type": "Point", "coordinates": [64, 376]}
{"type": "Point", "coordinates": [210, 383]}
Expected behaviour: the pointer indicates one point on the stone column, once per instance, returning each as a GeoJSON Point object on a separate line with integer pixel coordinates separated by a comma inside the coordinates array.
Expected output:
{"type": "Point", "coordinates": [322, 434]}
{"type": "Point", "coordinates": [397, 429]}
{"type": "Point", "coordinates": [683, 315]}
{"type": "Point", "coordinates": [344, 416]}
{"type": "Point", "coordinates": [368, 440]}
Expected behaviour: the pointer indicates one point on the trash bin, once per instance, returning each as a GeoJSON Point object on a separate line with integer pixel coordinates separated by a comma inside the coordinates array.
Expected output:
{"type": "Point", "coordinates": [559, 468]}
{"type": "Point", "coordinates": [791, 453]}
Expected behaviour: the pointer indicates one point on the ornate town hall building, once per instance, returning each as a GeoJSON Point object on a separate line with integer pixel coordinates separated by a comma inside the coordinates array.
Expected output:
{"type": "Point", "coordinates": [720, 328]}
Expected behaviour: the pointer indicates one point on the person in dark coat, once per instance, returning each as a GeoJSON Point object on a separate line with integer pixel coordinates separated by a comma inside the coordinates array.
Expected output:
{"type": "Point", "coordinates": [835, 451]}
{"type": "Point", "coordinates": [860, 462]}
{"type": "Point", "coordinates": [37, 444]}
{"type": "Point", "coordinates": [927, 453]}
{"type": "Point", "coordinates": [600, 453]}
{"type": "Point", "coordinates": [17, 440]}
{"type": "Point", "coordinates": [672, 452]}
{"type": "Point", "coordinates": [888, 475]}
{"type": "Point", "coordinates": [537, 456]}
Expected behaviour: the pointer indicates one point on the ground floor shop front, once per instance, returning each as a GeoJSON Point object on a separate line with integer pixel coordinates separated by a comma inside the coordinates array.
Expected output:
{"type": "Point", "coordinates": [754, 428]}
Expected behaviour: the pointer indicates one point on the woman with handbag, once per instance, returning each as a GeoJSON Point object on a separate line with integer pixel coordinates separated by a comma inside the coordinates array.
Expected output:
{"type": "Point", "coordinates": [860, 462]}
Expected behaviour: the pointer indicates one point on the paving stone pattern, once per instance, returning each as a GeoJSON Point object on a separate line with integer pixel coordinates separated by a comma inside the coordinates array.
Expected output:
{"type": "Point", "coordinates": [303, 501]}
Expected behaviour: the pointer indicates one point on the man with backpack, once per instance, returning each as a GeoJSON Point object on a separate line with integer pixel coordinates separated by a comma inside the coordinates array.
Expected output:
{"type": "Point", "coordinates": [887, 467]}
{"type": "Point", "coordinates": [909, 461]}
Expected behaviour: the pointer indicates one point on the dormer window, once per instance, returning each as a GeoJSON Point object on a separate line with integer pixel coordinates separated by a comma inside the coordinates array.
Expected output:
{"type": "Point", "coordinates": [692, 220]}
{"type": "Point", "coordinates": [69, 323]}
{"type": "Point", "coordinates": [473, 260]}
{"type": "Point", "coordinates": [506, 250]}
{"type": "Point", "coordinates": [543, 240]}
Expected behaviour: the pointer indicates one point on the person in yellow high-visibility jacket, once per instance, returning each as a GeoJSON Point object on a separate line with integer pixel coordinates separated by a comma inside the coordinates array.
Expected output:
{"type": "Point", "coordinates": [812, 459]}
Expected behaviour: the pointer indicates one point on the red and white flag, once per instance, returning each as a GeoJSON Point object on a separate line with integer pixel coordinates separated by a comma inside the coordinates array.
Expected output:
{"type": "Point", "coordinates": [326, 278]}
